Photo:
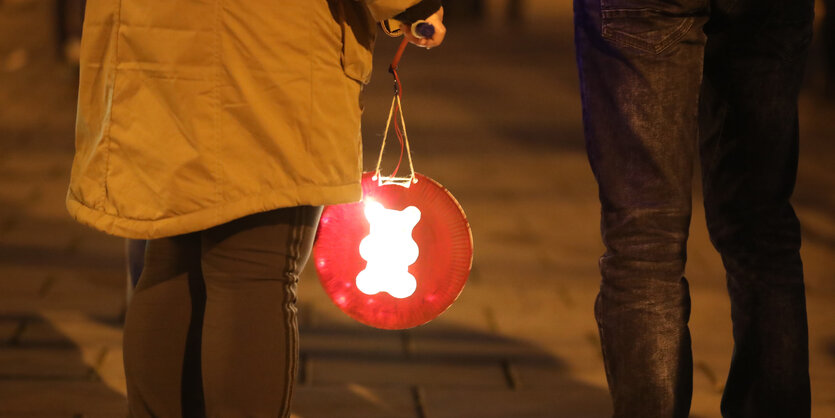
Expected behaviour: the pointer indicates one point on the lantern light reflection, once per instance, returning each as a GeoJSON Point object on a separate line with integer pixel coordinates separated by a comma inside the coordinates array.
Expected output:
{"type": "Point", "coordinates": [389, 250]}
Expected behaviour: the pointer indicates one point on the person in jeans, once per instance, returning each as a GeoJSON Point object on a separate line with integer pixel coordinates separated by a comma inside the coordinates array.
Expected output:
{"type": "Point", "coordinates": [216, 131]}
{"type": "Point", "coordinates": [661, 81]}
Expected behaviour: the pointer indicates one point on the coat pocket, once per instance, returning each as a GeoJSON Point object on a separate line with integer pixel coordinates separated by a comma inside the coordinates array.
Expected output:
{"type": "Point", "coordinates": [358, 35]}
{"type": "Point", "coordinates": [647, 30]}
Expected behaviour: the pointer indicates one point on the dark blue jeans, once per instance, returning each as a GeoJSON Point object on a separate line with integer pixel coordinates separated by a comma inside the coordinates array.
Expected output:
{"type": "Point", "coordinates": [662, 80]}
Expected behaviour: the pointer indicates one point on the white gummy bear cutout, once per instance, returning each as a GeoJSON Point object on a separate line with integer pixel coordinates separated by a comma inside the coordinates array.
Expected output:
{"type": "Point", "coordinates": [389, 250]}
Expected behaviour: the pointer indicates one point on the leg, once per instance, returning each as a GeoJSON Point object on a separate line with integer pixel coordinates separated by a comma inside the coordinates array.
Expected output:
{"type": "Point", "coordinates": [162, 329]}
{"type": "Point", "coordinates": [754, 63]}
{"type": "Point", "coordinates": [640, 68]}
{"type": "Point", "coordinates": [250, 335]}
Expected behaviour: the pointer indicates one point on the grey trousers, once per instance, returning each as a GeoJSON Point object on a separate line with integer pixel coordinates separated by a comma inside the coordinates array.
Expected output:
{"type": "Point", "coordinates": [212, 327]}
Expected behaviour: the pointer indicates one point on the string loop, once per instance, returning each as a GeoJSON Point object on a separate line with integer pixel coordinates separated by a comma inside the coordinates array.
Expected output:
{"type": "Point", "coordinates": [396, 112]}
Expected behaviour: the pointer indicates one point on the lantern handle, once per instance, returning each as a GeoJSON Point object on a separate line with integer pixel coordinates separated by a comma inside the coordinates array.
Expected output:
{"type": "Point", "coordinates": [396, 111]}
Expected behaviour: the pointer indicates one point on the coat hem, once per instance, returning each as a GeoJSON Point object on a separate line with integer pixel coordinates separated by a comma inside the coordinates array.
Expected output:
{"type": "Point", "coordinates": [210, 216]}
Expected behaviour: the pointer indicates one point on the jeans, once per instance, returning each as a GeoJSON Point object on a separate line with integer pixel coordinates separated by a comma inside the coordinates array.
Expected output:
{"type": "Point", "coordinates": [212, 327]}
{"type": "Point", "coordinates": [662, 80]}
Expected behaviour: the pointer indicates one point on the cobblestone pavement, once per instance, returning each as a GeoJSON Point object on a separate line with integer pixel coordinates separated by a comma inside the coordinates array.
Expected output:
{"type": "Point", "coordinates": [494, 115]}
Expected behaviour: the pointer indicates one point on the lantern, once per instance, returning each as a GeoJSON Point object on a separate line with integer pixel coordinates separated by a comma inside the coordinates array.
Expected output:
{"type": "Point", "coordinates": [398, 258]}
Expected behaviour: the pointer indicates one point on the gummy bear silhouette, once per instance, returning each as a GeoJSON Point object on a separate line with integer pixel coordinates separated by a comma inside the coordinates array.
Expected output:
{"type": "Point", "coordinates": [389, 250]}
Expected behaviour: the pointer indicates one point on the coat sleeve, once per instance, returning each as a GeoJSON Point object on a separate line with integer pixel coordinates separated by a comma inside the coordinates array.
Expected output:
{"type": "Point", "coordinates": [386, 9]}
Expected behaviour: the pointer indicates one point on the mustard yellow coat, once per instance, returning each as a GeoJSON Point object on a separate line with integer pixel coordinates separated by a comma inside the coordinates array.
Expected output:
{"type": "Point", "coordinates": [192, 113]}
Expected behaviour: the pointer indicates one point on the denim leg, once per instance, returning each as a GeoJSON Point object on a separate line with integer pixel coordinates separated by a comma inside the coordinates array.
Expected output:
{"type": "Point", "coordinates": [640, 64]}
{"type": "Point", "coordinates": [754, 63]}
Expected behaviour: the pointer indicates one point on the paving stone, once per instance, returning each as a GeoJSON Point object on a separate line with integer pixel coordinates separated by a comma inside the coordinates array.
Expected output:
{"type": "Point", "coordinates": [817, 269]}
{"type": "Point", "coordinates": [50, 202]}
{"type": "Point", "coordinates": [549, 312]}
{"type": "Point", "coordinates": [398, 373]}
{"type": "Point", "coordinates": [34, 331]}
{"type": "Point", "coordinates": [711, 333]}
{"type": "Point", "coordinates": [468, 314]}
{"type": "Point", "coordinates": [572, 399]}
{"type": "Point", "coordinates": [353, 401]}
{"type": "Point", "coordinates": [33, 164]}
{"type": "Point", "coordinates": [111, 370]}
{"type": "Point", "coordinates": [40, 333]}
{"type": "Point", "coordinates": [472, 346]}
{"type": "Point", "coordinates": [82, 292]}
{"type": "Point", "coordinates": [571, 343]}
{"type": "Point", "coordinates": [505, 247]}
{"type": "Point", "coordinates": [542, 272]}
{"type": "Point", "coordinates": [21, 364]}
{"type": "Point", "coordinates": [69, 292]}
{"type": "Point", "coordinates": [37, 244]}
{"type": "Point", "coordinates": [59, 399]}
{"type": "Point", "coordinates": [105, 251]}
{"type": "Point", "coordinates": [24, 280]}
{"type": "Point", "coordinates": [56, 327]}
{"type": "Point", "coordinates": [823, 404]}
{"type": "Point", "coordinates": [710, 381]}
{"type": "Point", "coordinates": [18, 414]}
{"type": "Point", "coordinates": [328, 316]}
{"type": "Point", "coordinates": [339, 342]}
{"type": "Point", "coordinates": [33, 230]}
{"type": "Point", "coordinates": [705, 403]}
{"type": "Point", "coordinates": [16, 191]}
{"type": "Point", "coordinates": [704, 266]}
{"type": "Point", "coordinates": [9, 328]}
{"type": "Point", "coordinates": [44, 192]}
{"type": "Point", "coordinates": [821, 310]}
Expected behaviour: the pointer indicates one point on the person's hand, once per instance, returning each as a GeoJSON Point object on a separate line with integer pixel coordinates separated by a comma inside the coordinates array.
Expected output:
{"type": "Point", "coordinates": [437, 20]}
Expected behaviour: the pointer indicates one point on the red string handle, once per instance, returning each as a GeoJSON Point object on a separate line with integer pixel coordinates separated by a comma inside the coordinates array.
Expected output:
{"type": "Point", "coordinates": [395, 63]}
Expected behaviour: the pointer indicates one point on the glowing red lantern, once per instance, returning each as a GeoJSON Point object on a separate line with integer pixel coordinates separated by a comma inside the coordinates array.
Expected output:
{"type": "Point", "coordinates": [400, 257]}
{"type": "Point", "coordinates": [397, 259]}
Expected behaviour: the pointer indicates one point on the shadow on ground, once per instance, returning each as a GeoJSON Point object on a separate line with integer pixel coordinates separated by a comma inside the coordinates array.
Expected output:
{"type": "Point", "coordinates": [44, 373]}
{"type": "Point", "coordinates": [437, 370]}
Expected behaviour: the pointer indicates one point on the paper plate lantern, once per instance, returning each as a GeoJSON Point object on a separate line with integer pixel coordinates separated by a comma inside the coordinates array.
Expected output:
{"type": "Point", "coordinates": [398, 258]}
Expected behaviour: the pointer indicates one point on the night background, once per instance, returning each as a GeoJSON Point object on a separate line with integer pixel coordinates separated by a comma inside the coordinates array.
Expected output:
{"type": "Point", "coordinates": [494, 115]}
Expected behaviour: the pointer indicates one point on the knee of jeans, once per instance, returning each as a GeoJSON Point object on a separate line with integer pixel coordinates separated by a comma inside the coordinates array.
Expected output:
{"type": "Point", "coordinates": [644, 304]}
{"type": "Point", "coordinates": [655, 234]}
